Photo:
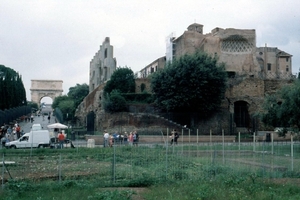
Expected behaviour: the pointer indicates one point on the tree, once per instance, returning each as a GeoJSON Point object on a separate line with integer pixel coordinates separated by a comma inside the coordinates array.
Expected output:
{"type": "Point", "coordinates": [122, 80]}
{"type": "Point", "coordinates": [78, 93]}
{"type": "Point", "coordinates": [67, 108]}
{"type": "Point", "coordinates": [68, 103]}
{"type": "Point", "coordinates": [192, 83]}
{"type": "Point", "coordinates": [59, 99]}
{"type": "Point", "coordinates": [283, 108]}
{"type": "Point", "coordinates": [114, 102]}
{"type": "Point", "coordinates": [12, 89]}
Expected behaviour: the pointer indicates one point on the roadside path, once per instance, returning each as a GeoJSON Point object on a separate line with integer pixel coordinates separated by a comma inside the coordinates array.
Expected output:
{"type": "Point", "coordinates": [26, 127]}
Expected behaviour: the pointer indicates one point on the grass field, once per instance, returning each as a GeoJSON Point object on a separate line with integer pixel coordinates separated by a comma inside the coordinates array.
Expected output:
{"type": "Point", "coordinates": [156, 172]}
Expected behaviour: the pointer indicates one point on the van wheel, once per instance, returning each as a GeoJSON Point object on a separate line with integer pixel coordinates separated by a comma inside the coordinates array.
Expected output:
{"type": "Point", "coordinates": [41, 146]}
{"type": "Point", "coordinates": [13, 147]}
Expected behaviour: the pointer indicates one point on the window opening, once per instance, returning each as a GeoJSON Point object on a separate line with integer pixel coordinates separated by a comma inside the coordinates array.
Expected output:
{"type": "Point", "coordinates": [269, 66]}
{"type": "Point", "coordinates": [241, 115]}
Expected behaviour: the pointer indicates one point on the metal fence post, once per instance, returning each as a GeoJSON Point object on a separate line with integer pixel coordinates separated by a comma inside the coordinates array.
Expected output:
{"type": "Point", "coordinates": [2, 171]}
{"type": "Point", "coordinates": [292, 153]}
{"type": "Point", "coordinates": [59, 169]}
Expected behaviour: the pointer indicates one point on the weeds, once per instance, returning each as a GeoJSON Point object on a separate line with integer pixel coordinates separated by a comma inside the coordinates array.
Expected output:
{"type": "Point", "coordinates": [167, 174]}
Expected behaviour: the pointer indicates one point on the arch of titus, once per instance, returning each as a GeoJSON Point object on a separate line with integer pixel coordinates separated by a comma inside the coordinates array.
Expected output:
{"type": "Point", "coordinates": [45, 88]}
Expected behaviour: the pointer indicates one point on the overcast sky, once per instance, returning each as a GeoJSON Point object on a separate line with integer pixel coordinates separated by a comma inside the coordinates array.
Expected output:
{"type": "Point", "coordinates": [56, 40]}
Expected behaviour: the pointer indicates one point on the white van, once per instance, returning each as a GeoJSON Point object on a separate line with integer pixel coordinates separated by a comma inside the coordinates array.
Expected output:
{"type": "Point", "coordinates": [36, 127]}
{"type": "Point", "coordinates": [40, 139]}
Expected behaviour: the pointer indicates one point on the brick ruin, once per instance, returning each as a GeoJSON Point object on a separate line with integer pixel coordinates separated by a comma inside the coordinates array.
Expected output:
{"type": "Point", "coordinates": [254, 72]}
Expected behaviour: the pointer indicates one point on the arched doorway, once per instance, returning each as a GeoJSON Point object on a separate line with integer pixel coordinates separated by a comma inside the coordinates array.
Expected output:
{"type": "Point", "coordinates": [46, 100]}
{"type": "Point", "coordinates": [241, 114]}
{"type": "Point", "coordinates": [90, 122]}
{"type": "Point", "coordinates": [46, 105]}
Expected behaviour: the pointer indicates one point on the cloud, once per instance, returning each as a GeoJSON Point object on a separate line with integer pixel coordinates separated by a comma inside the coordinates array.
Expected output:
{"type": "Point", "coordinates": [53, 39]}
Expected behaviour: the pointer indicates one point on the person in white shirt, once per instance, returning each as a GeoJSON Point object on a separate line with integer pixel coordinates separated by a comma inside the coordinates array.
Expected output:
{"type": "Point", "coordinates": [106, 137]}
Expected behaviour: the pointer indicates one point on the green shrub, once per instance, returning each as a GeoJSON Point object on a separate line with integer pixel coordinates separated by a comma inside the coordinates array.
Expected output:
{"type": "Point", "coordinates": [115, 102]}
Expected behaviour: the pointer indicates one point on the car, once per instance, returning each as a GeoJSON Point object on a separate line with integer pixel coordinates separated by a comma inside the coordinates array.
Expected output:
{"type": "Point", "coordinates": [36, 127]}
{"type": "Point", "coordinates": [33, 139]}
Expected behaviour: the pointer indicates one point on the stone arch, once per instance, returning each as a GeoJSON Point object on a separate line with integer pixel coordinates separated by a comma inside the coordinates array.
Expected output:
{"type": "Point", "coordinates": [45, 88]}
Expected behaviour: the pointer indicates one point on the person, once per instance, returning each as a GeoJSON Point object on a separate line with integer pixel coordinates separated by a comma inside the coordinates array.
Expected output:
{"type": "Point", "coordinates": [135, 138]}
{"type": "Point", "coordinates": [111, 140]}
{"type": "Point", "coordinates": [125, 138]}
{"type": "Point", "coordinates": [61, 140]}
{"type": "Point", "coordinates": [106, 138]}
{"type": "Point", "coordinates": [130, 138]}
{"type": "Point", "coordinates": [9, 130]}
{"type": "Point", "coordinates": [14, 136]}
{"type": "Point", "coordinates": [18, 131]}
{"type": "Point", "coordinates": [121, 138]}
{"type": "Point", "coordinates": [2, 131]}
{"type": "Point", "coordinates": [56, 131]}
{"type": "Point", "coordinates": [176, 136]}
{"type": "Point", "coordinates": [172, 137]}
{"type": "Point", "coordinates": [31, 118]}
{"type": "Point", "coordinates": [116, 137]}
{"type": "Point", "coordinates": [22, 133]}
{"type": "Point", "coordinates": [49, 118]}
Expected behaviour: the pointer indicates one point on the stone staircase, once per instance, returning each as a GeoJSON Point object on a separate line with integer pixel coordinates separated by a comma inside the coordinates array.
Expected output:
{"type": "Point", "coordinates": [171, 123]}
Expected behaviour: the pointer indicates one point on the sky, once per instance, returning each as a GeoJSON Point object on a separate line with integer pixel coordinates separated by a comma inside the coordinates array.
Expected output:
{"type": "Point", "coordinates": [57, 39]}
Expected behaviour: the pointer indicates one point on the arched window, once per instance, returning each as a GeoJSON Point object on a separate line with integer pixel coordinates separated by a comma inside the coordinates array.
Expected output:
{"type": "Point", "coordinates": [237, 44]}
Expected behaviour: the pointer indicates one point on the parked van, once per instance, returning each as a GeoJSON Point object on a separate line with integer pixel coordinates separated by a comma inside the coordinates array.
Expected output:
{"type": "Point", "coordinates": [40, 139]}
{"type": "Point", "coordinates": [36, 127]}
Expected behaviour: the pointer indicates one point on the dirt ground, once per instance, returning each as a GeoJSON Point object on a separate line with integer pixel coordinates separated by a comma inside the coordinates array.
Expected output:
{"type": "Point", "coordinates": [283, 181]}
{"type": "Point", "coordinates": [138, 191]}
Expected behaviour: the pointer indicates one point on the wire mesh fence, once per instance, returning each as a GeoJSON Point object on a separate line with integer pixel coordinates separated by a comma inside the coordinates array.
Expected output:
{"type": "Point", "coordinates": [145, 163]}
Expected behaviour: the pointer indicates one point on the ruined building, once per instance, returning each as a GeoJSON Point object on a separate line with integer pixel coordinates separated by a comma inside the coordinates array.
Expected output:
{"type": "Point", "coordinates": [102, 65]}
{"type": "Point", "coordinates": [235, 47]}
{"type": "Point", "coordinates": [253, 73]}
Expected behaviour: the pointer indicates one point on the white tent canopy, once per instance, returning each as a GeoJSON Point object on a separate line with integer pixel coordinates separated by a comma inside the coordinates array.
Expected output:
{"type": "Point", "coordinates": [57, 125]}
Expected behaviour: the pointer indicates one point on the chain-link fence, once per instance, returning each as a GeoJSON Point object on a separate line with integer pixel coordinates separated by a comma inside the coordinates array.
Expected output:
{"type": "Point", "coordinates": [149, 162]}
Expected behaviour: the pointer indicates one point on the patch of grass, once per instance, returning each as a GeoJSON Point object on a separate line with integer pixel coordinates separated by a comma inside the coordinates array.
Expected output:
{"type": "Point", "coordinates": [168, 173]}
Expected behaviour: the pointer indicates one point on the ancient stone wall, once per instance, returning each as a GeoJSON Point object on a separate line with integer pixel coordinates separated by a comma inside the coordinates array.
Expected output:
{"type": "Point", "coordinates": [250, 90]}
{"type": "Point", "coordinates": [139, 82]}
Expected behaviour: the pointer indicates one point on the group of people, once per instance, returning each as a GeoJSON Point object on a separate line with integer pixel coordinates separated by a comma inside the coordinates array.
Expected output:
{"type": "Point", "coordinates": [131, 139]}
{"type": "Point", "coordinates": [10, 133]}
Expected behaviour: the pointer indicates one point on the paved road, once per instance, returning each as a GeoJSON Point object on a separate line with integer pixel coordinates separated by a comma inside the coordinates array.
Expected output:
{"type": "Point", "coordinates": [26, 127]}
